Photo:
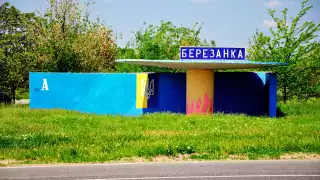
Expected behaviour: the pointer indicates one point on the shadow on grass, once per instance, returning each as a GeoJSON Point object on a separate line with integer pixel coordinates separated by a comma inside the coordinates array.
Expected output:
{"type": "Point", "coordinates": [280, 113]}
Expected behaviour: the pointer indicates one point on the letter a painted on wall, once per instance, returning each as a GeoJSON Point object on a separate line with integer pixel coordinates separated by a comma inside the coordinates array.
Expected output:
{"type": "Point", "coordinates": [45, 86]}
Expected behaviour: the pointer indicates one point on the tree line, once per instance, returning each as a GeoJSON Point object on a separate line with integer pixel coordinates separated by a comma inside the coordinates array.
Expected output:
{"type": "Point", "coordinates": [64, 39]}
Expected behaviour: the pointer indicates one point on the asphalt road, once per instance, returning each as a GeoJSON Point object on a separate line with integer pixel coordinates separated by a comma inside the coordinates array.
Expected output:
{"type": "Point", "coordinates": [244, 170]}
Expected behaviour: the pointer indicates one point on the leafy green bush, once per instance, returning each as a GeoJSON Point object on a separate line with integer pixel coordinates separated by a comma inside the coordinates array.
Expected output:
{"type": "Point", "coordinates": [159, 43]}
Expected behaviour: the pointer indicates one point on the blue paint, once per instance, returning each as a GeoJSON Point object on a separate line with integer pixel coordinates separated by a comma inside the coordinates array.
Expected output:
{"type": "Point", "coordinates": [262, 76]}
{"type": "Point", "coordinates": [115, 93]}
{"type": "Point", "coordinates": [212, 53]}
{"type": "Point", "coordinates": [97, 93]}
{"type": "Point", "coordinates": [272, 94]}
{"type": "Point", "coordinates": [170, 93]}
{"type": "Point", "coordinates": [240, 92]}
{"type": "Point", "coordinates": [153, 100]}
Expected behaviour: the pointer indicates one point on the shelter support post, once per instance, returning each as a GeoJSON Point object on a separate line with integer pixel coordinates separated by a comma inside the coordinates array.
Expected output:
{"type": "Point", "coordinates": [272, 91]}
{"type": "Point", "coordinates": [200, 87]}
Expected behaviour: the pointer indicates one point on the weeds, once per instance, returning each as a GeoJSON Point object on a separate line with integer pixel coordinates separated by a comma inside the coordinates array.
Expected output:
{"type": "Point", "coordinates": [50, 136]}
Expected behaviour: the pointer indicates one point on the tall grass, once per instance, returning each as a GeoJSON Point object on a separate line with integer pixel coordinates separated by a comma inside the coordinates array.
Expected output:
{"type": "Point", "coordinates": [49, 136]}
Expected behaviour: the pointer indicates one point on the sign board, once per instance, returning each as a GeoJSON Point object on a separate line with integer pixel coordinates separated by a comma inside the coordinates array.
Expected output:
{"type": "Point", "coordinates": [212, 53]}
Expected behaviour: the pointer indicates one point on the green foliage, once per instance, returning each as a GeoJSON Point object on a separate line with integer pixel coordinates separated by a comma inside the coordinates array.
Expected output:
{"type": "Point", "coordinates": [69, 42]}
{"type": "Point", "coordinates": [159, 43]}
{"type": "Point", "coordinates": [63, 39]}
{"type": "Point", "coordinates": [292, 42]}
{"type": "Point", "coordinates": [16, 48]}
{"type": "Point", "coordinates": [51, 136]}
{"type": "Point", "coordinates": [22, 93]}
{"type": "Point", "coordinates": [298, 108]}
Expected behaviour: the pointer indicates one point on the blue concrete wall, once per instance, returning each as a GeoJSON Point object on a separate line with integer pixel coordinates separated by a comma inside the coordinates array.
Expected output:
{"type": "Point", "coordinates": [272, 94]}
{"type": "Point", "coordinates": [170, 93]}
{"type": "Point", "coordinates": [235, 92]}
{"type": "Point", "coordinates": [93, 93]}
{"type": "Point", "coordinates": [245, 92]}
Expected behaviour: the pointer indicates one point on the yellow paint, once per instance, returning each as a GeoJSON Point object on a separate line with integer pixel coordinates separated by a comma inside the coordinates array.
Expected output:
{"type": "Point", "coordinates": [141, 88]}
{"type": "Point", "coordinates": [199, 83]}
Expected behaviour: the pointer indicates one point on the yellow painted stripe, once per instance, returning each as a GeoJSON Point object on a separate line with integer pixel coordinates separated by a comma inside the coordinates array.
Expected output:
{"type": "Point", "coordinates": [141, 88]}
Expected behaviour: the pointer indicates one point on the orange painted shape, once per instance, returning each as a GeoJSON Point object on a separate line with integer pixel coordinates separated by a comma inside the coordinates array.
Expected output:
{"type": "Point", "coordinates": [200, 87]}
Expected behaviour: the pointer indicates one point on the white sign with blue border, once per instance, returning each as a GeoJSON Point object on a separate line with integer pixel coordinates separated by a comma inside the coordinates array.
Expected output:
{"type": "Point", "coordinates": [211, 53]}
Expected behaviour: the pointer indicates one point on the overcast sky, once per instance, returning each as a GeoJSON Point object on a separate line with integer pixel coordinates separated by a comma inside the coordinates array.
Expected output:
{"type": "Point", "coordinates": [229, 22]}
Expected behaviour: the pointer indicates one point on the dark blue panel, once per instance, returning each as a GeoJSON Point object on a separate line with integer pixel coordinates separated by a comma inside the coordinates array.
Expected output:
{"type": "Point", "coordinates": [85, 92]}
{"type": "Point", "coordinates": [240, 92]}
{"type": "Point", "coordinates": [153, 100]}
{"type": "Point", "coordinates": [272, 94]}
{"type": "Point", "coordinates": [170, 93]}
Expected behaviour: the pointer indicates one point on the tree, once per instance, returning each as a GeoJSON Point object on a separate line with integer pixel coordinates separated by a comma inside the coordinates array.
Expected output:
{"type": "Point", "coordinates": [290, 42]}
{"type": "Point", "coordinates": [70, 42]}
{"type": "Point", "coordinates": [160, 43]}
{"type": "Point", "coordinates": [16, 48]}
{"type": "Point", "coordinates": [307, 74]}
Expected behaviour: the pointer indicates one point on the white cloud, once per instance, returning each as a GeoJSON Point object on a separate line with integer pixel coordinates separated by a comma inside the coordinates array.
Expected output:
{"type": "Point", "coordinates": [273, 3]}
{"type": "Point", "coordinates": [269, 24]}
{"type": "Point", "coordinates": [200, 1]}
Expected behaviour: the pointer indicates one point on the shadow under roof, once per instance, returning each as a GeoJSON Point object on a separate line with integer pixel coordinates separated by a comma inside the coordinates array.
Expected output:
{"type": "Point", "coordinates": [202, 64]}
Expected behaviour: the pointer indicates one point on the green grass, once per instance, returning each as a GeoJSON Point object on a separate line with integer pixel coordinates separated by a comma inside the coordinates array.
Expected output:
{"type": "Point", "coordinates": [57, 136]}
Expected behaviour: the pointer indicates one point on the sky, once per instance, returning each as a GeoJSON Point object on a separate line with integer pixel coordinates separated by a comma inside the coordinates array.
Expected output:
{"type": "Point", "coordinates": [229, 23]}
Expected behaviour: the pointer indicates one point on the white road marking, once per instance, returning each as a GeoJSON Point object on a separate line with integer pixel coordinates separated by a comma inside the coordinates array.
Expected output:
{"type": "Point", "coordinates": [202, 177]}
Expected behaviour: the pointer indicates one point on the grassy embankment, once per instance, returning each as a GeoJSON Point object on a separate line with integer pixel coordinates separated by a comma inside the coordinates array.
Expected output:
{"type": "Point", "coordinates": [56, 136]}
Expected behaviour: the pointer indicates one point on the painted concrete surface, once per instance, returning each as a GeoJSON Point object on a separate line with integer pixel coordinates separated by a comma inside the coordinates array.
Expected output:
{"type": "Point", "coordinates": [98, 93]}
{"type": "Point", "coordinates": [135, 94]}
{"type": "Point", "coordinates": [200, 92]}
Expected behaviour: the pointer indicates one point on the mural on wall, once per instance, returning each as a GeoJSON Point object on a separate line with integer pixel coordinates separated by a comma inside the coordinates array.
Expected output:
{"type": "Point", "coordinates": [145, 88]}
{"type": "Point", "coordinates": [201, 106]}
{"type": "Point", "coordinates": [149, 88]}
{"type": "Point", "coordinates": [200, 90]}
{"type": "Point", "coordinates": [99, 93]}
{"type": "Point", "coordinates": [166, 93]}
{"type": "Point", "coordinates": [134, 94]}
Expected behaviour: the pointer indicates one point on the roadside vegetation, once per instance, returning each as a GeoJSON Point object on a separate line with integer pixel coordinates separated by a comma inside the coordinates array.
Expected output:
{"type": "Point", "coordinates": [65, 38]}
{"type": "Point", "coordinates": [59, 136]}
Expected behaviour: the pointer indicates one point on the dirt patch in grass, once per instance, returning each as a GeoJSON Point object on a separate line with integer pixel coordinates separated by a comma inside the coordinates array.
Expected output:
{"type": "Point", "coordinates": [238, 157]}
{"type": "Point", "coordinates": [177, 158]}
{"type": "Point", "coordinates": [132, 160]}
{"type": "Point", "coordinates": [8, 162]}
{"type": "Point", "coordinates": [300, 156]}
{"type": "Point", "coordinates": [168, 159]}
